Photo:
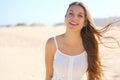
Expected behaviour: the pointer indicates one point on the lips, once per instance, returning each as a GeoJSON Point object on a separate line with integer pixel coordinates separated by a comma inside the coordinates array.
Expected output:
{"type": "Point", "coordinates": [73, 23]}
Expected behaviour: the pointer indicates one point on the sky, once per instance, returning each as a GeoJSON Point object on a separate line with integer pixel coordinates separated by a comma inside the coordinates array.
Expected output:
{"type": "Point", "coordinates": [50, 12]}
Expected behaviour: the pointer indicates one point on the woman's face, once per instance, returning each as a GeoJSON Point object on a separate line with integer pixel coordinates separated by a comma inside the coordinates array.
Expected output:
{"type": "Point", "coordinates": [75, 17]}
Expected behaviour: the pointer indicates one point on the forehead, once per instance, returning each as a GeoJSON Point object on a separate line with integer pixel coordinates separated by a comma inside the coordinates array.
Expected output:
{"type": "Point", "coordinates": [76, 8]}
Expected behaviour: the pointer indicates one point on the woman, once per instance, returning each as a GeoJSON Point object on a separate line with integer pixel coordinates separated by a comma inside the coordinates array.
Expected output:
{"type": "Point", "coordinates": [74, 55]}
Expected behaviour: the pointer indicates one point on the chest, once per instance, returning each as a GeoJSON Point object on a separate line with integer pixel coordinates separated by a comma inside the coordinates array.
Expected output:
{"type": "Point", "coordinates": [74, 66]}
{"type": "Point", "coordinates": [71, 50]}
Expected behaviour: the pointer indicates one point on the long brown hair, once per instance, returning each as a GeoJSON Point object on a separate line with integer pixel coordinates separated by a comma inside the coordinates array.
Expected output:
{"type": "Point", "coordinates": [90, 36]}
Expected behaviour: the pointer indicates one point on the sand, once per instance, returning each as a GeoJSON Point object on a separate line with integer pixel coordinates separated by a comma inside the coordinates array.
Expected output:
{"type": "Point", "coordinates": [22, 52]}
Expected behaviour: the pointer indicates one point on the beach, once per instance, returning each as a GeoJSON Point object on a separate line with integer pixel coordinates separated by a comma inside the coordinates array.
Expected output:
{"type": "Point", "coordinates": [22, 52]}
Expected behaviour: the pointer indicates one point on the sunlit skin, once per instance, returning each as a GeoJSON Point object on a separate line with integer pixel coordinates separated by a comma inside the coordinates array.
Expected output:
{"type": "Point", "coordinates": [75, 18]}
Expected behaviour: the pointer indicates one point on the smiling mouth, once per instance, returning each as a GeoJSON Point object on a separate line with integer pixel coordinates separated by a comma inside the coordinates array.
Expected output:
{"type": "Point", "coordinates": [73, 23]}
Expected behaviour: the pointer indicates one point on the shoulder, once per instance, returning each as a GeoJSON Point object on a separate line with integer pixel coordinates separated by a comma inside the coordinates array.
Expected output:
{"type": "Point", "coordinates": [50, 42]}
{"type": "Point", "coordinates": [50, 47]}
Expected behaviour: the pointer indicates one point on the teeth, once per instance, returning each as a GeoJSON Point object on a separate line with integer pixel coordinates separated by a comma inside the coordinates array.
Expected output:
{"type": "Point", "coordinates": [73, 23]}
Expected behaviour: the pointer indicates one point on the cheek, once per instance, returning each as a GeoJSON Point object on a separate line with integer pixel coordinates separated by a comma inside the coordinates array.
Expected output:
{"type": "Point", "coordinates": [82, 21]}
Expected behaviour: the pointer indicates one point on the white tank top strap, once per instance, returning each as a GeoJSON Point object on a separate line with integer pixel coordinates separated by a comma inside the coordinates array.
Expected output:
{"type": "Point", "coordinates": [55, 42]}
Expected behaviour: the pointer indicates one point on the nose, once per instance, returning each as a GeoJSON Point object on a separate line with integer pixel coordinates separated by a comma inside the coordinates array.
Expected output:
{"type": "Point", "coordinates": [74, 17]}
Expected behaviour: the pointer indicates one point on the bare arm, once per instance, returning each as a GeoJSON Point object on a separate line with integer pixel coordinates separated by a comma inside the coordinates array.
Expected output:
{"type": "Point", "coordinates": [49, 56]}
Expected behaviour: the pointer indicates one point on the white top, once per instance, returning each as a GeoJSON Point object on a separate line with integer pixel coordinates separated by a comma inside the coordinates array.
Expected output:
{"type": "Point", "coordinates": [66, 67]}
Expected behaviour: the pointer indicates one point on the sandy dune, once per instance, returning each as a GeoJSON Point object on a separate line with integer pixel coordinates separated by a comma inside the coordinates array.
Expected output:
{"type": "Point", "coordinates": [22, 53]}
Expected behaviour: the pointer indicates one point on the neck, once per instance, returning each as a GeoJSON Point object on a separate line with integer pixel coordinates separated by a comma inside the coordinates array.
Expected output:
{"type": "Point", "coordinates": [73, 37]}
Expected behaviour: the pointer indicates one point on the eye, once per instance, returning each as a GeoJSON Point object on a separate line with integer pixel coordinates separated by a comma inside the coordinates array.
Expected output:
{"type": "Point", "coordinates": [70, 13]}
{"type": "Point", "coordinates": [80, 15]}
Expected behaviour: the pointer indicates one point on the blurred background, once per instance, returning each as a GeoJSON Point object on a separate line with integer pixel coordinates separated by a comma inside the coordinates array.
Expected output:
{"type": "Point", "coordinates": [25, 26]}
{"type": "Point", "coordinates": [52, 12]}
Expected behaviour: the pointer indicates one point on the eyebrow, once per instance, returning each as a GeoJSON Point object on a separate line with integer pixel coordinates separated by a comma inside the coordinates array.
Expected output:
{"type": "Point", "coordinates": [71, 10]}
{"type": "Point", "coordinates": [79, 12]}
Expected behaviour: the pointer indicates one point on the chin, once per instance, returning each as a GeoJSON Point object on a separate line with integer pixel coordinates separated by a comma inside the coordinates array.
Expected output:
{"type": "Point", "coordinates": [75, 29]}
